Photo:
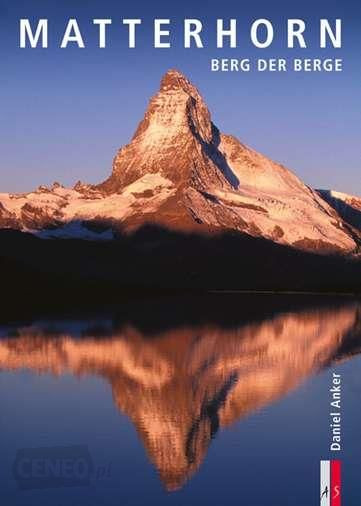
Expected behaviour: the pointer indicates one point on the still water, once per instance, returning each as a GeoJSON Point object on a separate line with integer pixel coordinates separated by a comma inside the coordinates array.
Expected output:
{"type": "Point", "coordinates": [180, 402]}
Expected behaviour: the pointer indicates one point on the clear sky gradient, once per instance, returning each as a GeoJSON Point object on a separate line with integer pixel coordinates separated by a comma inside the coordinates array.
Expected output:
{"type": "Point", "coordinates": [65, 112]}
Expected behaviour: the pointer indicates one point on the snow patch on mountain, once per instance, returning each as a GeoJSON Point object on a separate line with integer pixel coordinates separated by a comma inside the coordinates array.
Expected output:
{"type": "Point", "coordinates": [61, 212]}
{"type": "Point", "coordinates": [347, 206]}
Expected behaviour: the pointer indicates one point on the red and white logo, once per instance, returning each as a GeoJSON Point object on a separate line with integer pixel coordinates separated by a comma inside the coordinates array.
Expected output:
{"type": "Point", "coordinates": [330, 483]}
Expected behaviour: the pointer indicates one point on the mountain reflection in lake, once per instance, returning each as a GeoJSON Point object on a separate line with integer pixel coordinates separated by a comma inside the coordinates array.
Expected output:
{"type": "Point", "coordinates": [180, 384]}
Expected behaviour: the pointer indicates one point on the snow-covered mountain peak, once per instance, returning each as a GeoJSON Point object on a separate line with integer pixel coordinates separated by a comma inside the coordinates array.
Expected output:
{"type": "Point", "coordinates": [179, 171]}
{"type": "Point", "coordinates": [173, 79]}
{"type": "Point", "coordinates": [176, 138]}
{"type": "Point", "coordinates": [177, 109]}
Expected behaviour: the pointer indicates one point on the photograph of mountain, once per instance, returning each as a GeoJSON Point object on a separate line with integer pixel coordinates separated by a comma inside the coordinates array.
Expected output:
{"type": "Point", "coordinates": [180, 172]}
{"type": "Point", "coordinates": [180, 184]}
{"type": "Point", "coordinates": [180, 253]}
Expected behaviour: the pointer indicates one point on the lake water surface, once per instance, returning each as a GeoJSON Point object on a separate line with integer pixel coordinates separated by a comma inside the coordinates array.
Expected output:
{"type": "Point", "coordinates": [180, 402]}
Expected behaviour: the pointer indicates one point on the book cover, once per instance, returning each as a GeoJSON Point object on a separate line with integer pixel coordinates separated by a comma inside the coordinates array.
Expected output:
{"type": "Point", "coordinates": [180, 262]}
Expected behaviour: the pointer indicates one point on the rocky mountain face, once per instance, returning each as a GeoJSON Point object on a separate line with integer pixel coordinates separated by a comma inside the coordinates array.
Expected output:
{"type": "Point", "coordinates": [347, 206]}
{"type": "Point", "coordinates": [179, 171]}
{"type": "Point", "coordinates": [182, 385]}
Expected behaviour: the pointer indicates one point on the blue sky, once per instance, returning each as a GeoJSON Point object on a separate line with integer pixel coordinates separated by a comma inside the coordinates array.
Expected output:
{"type": "Point", "coordinates": [65, 112]}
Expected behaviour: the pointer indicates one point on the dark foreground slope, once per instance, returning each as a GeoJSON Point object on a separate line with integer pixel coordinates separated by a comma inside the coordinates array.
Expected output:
{"type": "Point", "coordinates": [62, 273]}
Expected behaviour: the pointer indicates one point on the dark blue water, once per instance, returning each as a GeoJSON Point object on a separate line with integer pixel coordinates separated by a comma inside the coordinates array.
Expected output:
{"type": "Point", "coordinates": [195, 413]}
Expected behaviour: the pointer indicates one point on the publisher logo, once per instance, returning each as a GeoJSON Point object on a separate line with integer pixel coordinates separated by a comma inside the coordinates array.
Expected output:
{"type": "Point", "coordinates": [330, 483]}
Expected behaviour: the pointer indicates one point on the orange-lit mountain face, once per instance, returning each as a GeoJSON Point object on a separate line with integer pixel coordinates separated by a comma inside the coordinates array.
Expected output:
{"type": "Point", "coordinates": [181, 172]}
{"type": "Point", "coordinates": [182, 385]}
